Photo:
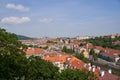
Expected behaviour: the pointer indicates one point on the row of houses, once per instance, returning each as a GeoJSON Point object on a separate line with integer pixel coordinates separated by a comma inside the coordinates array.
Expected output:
{"type": "Point", "coordinates": [108, 54]}
{"type": "Point", "coordinates": [64, 61]}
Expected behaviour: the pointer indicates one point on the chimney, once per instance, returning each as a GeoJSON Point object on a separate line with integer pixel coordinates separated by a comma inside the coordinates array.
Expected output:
{"type": "Point", "coordinates": [84, 65]}
{"type": "Point", "coordinates": [59, 55]}
{"type": "Point", "coordinates": [105, 50]}
{"type": "Point", "coordinates": [102, 73]}
{"type": "Point", "coordinates": [68, 58]}
{"type": "Point", "coordinates": [29, 47]}
{"type": "Point", "coordinates": [93, 69]}
{"type": "Point", "coordinates": [89, 68]}
{"type": "Point", "coordinates": [98, 67]}
{"type": "Point", "coordinates": [93, 66]}
{"type": "Point", "coordinates": [89, 64]}
{"type": "Point", "coordinates": [110, 71]}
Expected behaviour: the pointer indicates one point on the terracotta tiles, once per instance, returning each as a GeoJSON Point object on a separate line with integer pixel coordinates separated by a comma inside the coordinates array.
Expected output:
{"type": "Point", "coordinates": [34, 51]}
{"type": "Point", "coordinates": [109, 76]}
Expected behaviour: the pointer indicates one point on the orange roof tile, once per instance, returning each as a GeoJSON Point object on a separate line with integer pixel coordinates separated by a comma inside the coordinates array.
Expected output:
{"type": "Point", "coordinates": [111, 52]}
{"type": "Point", "coordinates": [109, 76]}
{"type": "Point", "coordinates": [76, 63]}
{"type": "Point", "coordinates": [90, 46]}
{"type": "Point", "coordinates": [99, 48]}
{"type": "Point", "coordinates": [34, 51]}
{"type": "Point", "coordinates": [55, 57]}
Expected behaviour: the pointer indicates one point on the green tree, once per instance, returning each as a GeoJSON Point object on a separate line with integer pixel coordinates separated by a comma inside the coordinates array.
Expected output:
{"type": "Point", "coordinates": [14, 63]}
{"type": "Point", "coordinates": [80, 44]}
{"type": "Point", "coordinates": [12, 57]}
{"type": "Point", "coordinates": [81, 57]}
{"type": "Point", "coordinates": [49, 41]}
{"type": "Point", "coordinates": [69, 51]}
{"type": "Point", "coordinates": [93, 54]}
{"type": "Point", "coordinates": [91, 76]}
{"type": "Point", "coordinates": [39, 69]}
{"type": "Point", "coordinates": [64, 49]}
{"type": "Point", "coordinates": [106, 42]}
{"type": "Point", "coordinates": [69, 74]}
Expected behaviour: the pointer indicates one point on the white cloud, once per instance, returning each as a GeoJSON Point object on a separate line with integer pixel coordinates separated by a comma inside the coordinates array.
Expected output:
{"type": "Point", "coordinates": [17, 7]}
{"type": "Point", "coordinates": [46, 20]}
{"type": "Point", "coordinates": [15, 20]}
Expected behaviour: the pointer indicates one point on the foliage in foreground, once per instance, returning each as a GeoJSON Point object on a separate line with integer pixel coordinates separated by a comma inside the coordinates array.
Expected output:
{"type": "Point", "coordinates": [15, 65]}
{"type": "Point", "coordinates": [69, 74]}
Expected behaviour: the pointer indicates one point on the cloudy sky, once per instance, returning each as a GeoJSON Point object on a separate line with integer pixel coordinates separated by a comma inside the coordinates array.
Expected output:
{"type": "Point", "coordinates": [60, 18]}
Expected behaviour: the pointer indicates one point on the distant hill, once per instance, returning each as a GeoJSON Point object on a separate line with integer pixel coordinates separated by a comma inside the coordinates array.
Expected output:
{"type": "Point", "coordinates": [21, 37]}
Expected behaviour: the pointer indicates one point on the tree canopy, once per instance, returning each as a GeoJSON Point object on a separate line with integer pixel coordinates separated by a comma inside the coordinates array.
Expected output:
{"type": "Point", "coordinates": [93, 54]}
{"type": "Point", "coordinates": [106, 42]}
{"type": "Point", "coordinates": [15, 65]}
{"type": "Point", "coordinates": [69, 74]}
{"type": "Point", "coordinates": [69, 51]}
{"type": "Point", "coordinates": [81, 57]}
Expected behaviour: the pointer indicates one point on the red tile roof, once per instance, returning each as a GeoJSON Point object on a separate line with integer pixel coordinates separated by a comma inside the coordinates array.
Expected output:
{"type": "Point", "coordinates": [90, 46]}
{"type": "Point", "coordinates": [109, 76]}
{"type": "Point", "coordinates": [75, 63]}
{"type": "Point", "coordinates": [34, 51]}
{"type": "Point", "coordinates": [62, 58]}
{"type": "Point", "coordinates": [97, 73]}
{"type": "Point", "coordinates": [111, 52]}
{"type": "Point", "coordinates": [56, 57]}
{"type": "Point", "coordinates": [99, 48]}
{"type": "Point", "coordinates": [52, 57]}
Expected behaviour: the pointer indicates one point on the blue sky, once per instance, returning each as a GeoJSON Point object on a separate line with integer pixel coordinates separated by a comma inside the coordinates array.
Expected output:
{"type": "Point", "coordinates": [60, 18]}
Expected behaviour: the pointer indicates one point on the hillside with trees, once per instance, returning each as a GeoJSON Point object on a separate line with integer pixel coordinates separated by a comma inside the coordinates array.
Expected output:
{"type": "Point", "coordinates": [21, 37]}
{"type": "Point", "coordinates": [106, 42]}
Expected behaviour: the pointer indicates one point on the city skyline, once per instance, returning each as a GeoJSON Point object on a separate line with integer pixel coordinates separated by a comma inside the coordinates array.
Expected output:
{"type": "Point", "coordinates": [60, 18]}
